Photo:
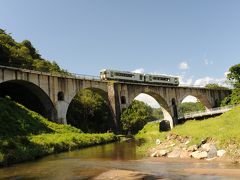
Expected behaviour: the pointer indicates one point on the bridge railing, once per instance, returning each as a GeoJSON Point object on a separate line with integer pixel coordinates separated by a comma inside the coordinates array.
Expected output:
{"type": "Point", "coordinates": [208, 112]}
{"type": "Point", "coordinates": [70, 75]}
{"type": "Point", "coordinates": [199, 86]}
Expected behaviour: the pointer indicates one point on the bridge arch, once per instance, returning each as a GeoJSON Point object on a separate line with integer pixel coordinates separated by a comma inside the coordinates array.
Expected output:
{"type": "Point", "coordinates": [89, 121]}
{"type": "Point", "coordinates": [163, 105]}
{"type": "Point", "coordinates": [30, 95]}
{"type": "Point", "coordinates": [203, 99]}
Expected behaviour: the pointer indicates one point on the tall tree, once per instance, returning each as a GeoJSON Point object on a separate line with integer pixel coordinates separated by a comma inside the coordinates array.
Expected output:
{"type": "Point", "coordinates": [234, 75]}
{"type": "Point", "coordinates": [136, 116]}
{"type": "Point", "coordinates": [90, 112]}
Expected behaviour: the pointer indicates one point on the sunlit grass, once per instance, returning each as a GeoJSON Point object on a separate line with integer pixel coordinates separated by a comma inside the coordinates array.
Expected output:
{"type": "Point", "coordinates": [224, 129]}
{"type": "Point", "coordinates": [26, 135]}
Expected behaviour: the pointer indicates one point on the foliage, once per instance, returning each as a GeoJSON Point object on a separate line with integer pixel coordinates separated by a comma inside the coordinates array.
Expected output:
{"type": "Point", "coordinates": [234, 75]}
{"type": "Point", "coordinates": [215, 86]}
{"type": "Point", "coordinates": [26, 135]}
{"type": "Point", "coordinates": [223, 129]}
{"type": "Point", "coordinates": [24, 55]}
{"type": "Point", "coordinates": [90, 112]}
{"type": "Point", "coordinates": [136, 116]}
{"type": "Point", "coordinates": [233, 98]}
{"type": "Point", "coordinates": [188, 107]}
{"type": "Point", "coordinates": [157, 114]}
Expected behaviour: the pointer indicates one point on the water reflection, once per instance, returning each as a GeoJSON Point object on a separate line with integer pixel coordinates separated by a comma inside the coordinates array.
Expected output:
{"type": "Point", "coordinates": [90, 162]}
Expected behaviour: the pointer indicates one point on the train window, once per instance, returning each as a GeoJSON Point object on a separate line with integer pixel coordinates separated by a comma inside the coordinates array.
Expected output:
{"type": "Point", "coordinates": [111, 74]}
{"type": "Point", "coordinates": [123, 100]}
{"type": "Point", "coordinates": [141, 77]}
{"type": "Point", "coordinates": [123, 74]}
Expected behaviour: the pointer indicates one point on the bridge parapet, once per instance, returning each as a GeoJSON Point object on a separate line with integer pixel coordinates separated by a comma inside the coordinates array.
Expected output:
{"type": "Point", "coordinates": [212, 111]}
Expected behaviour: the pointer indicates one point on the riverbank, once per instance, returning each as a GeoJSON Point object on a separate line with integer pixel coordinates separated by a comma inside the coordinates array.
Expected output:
{"type": "Point", "coordinates": [221, 133]}
{"type": "Point", "coordinates": [26, 135]}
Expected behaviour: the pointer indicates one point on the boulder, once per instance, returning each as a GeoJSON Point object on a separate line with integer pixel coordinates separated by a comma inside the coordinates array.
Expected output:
{"type": "Point", "coordinates": [199, 154]}
{"type": "Point", "coordinates": [212, 151]}
{"type": "Point", "coordinates": [184, 154]}
{"type": "Point", "coordinates": [162, 153]}
{"type": "Point", "coordinates": [192, 148]}
{"type": "Point", "coordinates": [164, 125]}
{"type": "Point", "coordinates": [159, 153]}
{"type": "Point", "coordinates": [175, 153]}
{"type": "Point", "coordinates": [206, 147]}
{"type": "Point", "coordinates": [221, 153]}
{"type": "Point", "coordinates": [154, 154]}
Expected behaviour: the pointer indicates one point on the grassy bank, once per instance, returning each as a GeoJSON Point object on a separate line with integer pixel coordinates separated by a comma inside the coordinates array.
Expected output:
{"type": "Point", "coordinates": [224, 130]}
{"type": "Point", "coordinates": [26, 135]}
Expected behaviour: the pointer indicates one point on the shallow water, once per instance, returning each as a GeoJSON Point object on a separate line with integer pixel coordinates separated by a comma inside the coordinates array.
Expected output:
{"type": "Point", "coordinates": [90, 162]}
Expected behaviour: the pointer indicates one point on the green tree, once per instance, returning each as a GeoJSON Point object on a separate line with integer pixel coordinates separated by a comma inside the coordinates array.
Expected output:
{"type": "Point", "coordinates": [157, 114]}
{"type": "Point", "coordinates": [215, 86]}
{"type": "Point", "coordinates": [90, 112]}
{"type": "Point", "coordinates": [234, 78]}
{"type": "Point", "coordinates": [24, 55]}
{"type": "Point", "coordinates": [188, 107]}
{"type": "Point", "coordinates": [136, 116]}
{"type": "Point", "coordinates": [234, 75]}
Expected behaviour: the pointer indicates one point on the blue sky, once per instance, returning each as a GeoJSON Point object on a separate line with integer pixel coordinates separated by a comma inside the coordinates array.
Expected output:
{"type": "Point", "coordinates": [197, 40]}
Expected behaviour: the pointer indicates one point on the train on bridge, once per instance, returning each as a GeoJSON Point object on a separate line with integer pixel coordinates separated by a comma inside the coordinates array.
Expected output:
{"type": "Point", "coordinates": [126, 76]}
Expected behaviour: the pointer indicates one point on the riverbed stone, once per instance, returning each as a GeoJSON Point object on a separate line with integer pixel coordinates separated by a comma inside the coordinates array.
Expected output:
{"type": "Point", "coordinates": [192, 148]}
{"type": "Point", "coordinates": [206, 147]}
{"type": "Point", "coordinates": [175, 153]}
{"type": "Point", "coordinates": [199, 154]}
{"type": "Point", "coordinates": [212, 151]}
{"type": "Point", "coordinates": [220, 153]}
{"type": "Point", "coordinates": [184, 154]}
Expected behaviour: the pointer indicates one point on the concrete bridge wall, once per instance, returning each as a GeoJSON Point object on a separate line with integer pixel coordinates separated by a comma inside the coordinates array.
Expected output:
{"type": "Point", "coordinates": [56, 93]}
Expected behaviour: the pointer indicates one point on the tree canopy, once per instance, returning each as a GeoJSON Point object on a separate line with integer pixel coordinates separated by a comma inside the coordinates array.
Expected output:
{"type": "Point", "coordinates": [136, 116]}
{"type": "Point", "coordinates": [234, 78]}
{"type": "Point", "coordinates": [188, 107]}
{"type": "Point", "coordinates": [215, 86]}
{"type": "Point", "coordinates": [234, 75]}
{"type": "Point", "coordinates": [90, 112]}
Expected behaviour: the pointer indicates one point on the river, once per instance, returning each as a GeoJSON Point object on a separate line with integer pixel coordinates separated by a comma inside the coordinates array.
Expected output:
{"type": "Point", "coordinates": [90, 162]}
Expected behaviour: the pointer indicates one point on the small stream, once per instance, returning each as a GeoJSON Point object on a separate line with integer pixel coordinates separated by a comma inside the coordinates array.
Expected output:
{"type": "Point", "coordinates": [89, 162]}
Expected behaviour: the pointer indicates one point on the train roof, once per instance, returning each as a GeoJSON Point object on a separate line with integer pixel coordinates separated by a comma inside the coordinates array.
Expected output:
{"type": "Point", "coordinates": [129, 72]}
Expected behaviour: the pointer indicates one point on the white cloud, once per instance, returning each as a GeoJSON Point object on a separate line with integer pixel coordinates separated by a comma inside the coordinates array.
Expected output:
{"type": "Point", "coordinates": [183, 66]}
{"type": "Point", "coordinates": [140, 70]}
{"type": "Point", "coordinates": [148, 100]}
{"type": "Point", "coordinates": [186, 82]}
{"type": "Point", "coordinates": [207, 62]}
{"type": "Point", "coordinates": [207, 80]}
{"type": "Point", "coordinates": [203, 81]}
{"type": "Point", "coordinates": [190, 99]}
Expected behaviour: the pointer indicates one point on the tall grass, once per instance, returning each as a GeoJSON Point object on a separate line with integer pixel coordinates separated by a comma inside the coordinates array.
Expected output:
{"type": "Point", "coordinates": [26, 135]}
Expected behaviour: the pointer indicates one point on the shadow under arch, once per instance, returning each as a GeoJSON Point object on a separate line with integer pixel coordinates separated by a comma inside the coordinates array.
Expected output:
{"type": "Point", "coordinates": [108, 110]}
{"type": "Point", "coordinates": [163, 105]}
{"type": "Point", "coordinates": [29, 95]}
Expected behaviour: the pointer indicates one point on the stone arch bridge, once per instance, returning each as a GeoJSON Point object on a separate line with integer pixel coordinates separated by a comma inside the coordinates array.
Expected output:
{"type": "Point", "coordinates": [50, 95]}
